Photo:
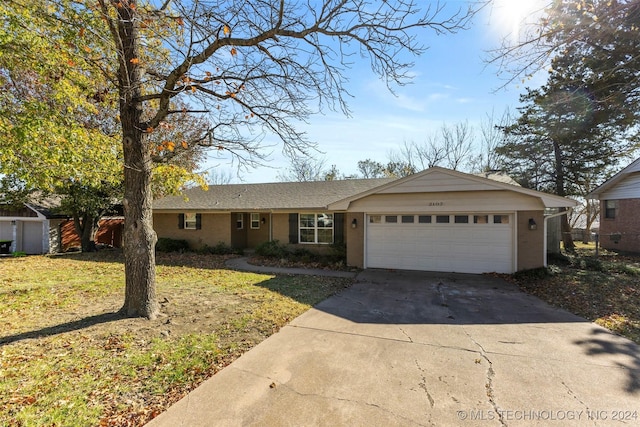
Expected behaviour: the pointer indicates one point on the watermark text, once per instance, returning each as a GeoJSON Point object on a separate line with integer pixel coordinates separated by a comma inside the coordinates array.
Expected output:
{"type": "Point", "coordinates": [547, 415]}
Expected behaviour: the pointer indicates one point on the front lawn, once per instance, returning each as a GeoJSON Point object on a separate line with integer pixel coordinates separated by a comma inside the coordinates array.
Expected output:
{"type": "Point", "coordinates": [67, 358]}
{"type": "Point", "coordinates": [603, 289]}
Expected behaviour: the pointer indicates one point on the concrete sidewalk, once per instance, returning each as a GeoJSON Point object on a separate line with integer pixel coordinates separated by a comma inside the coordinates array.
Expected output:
{"type": "Point", "coordinates": [242, 264]}
{"type": "Point", "coordinates": [425, 349]}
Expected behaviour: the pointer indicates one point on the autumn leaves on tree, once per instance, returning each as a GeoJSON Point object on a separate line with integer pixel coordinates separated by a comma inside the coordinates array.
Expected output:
{"type": "Point", "coordinates": [240, 70]}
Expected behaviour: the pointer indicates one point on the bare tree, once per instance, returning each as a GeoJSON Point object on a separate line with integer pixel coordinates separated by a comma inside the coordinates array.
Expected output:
{"type": "Point", "coordinates": [492, 136]}
{"type": "Point", "coordinates": [219, 177]}
{"type": "Point", "coordinates": [250, 67]}
{"type": "Point", "coordinates": [333, 174]}
{"type": "Point", "coordinates": [588, 211]}
{"type": "Point", "coordinates": [431, 153]}
{"type": "Point", "coordinates": [458, 144]}
{"type": "Point", "coordinates": [304, 168]}
{"type": "Point", "coordinates": [370, 169]}
{"type": "Point", "coordinates": [451, 146]}
{"type": "Point", "coordinates": [584, 216]}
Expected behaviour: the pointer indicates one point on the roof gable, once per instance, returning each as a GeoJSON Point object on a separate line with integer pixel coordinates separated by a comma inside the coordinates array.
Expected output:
{"type": "Point", "coordinates": [437, 180]}
{"type": "Point", "coordinates": [38, 205]}
{"type": "Point", "coordinates": [619, 179]}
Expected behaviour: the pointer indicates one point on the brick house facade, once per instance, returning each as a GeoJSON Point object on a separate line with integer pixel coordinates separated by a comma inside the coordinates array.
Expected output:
{"type": "Point", "coordinates": [621, 230]}
{"type": "Point", "coordinates": [620, 210]}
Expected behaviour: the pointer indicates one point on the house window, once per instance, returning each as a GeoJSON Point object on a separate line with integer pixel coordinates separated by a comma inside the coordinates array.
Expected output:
{"type": "Point", "coordinates": [408, 219]}
{"type": "Point", "coordinates": [375, 219]}
{"type": "Point", "coordinates": [239, 221]}
{"type": "Point", "coordinates": [501, 219]}
{"type": "Point", "coordinates": [316, 228]}
{"type": "Point", "coordinates": [481, 219]}
{"type": "Point", "coordinates": [610, 209]}
{"type": "Point", "coordinates": [424, 219]}
{"type": "Point", "coordinates": [442, 219]}
{"type": "Point", "coordinates": [190, 221]}
{"type": "Point", "coordinates": [461, 219]}
{"type": "Point", "coordinates": [255, 221]}
{"type": "Point", "coordinates": [391, 219]}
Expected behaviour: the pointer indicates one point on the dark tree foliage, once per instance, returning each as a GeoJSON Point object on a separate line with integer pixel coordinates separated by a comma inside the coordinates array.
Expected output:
{"type": "Point", "coordinates": [584, 120]}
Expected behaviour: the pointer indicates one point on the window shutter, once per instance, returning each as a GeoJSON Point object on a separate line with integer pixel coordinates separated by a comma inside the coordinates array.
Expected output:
{"type": "Point", "coordinates": [180, 221]}
{"type": "Point", "coordinates": [293, 228]}
{"type": "Point", "coordinates": [338, 228]}
{"type": "Point", "coordinates": [198, 221]}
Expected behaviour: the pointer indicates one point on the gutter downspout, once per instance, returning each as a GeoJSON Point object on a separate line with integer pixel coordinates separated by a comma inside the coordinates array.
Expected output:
{"type": "Point", "coordinates": [547, 217]}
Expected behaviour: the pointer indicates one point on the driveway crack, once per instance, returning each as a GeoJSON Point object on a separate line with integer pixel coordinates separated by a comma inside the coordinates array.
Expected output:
{"type": "Point", "coordinates": [276, 385]}
{"type": "Point", "coordinates": [443, 300]}
{"type": "Point", "coordinates": [423, 384]}
{"type": "Point", "coordinates": [575, 396]}
{"type": "Point", "coordinates": [489, 379]}
{"type": "Point", "coordinates": [406, 335]}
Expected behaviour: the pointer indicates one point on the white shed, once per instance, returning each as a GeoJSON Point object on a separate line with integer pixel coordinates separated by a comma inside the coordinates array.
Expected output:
{"type": "Point", "coordinates": [31, 229]}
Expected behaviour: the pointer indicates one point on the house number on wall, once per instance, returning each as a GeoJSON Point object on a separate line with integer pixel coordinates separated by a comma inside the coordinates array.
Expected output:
{"type": "Point", "coordinates": [436, 203]}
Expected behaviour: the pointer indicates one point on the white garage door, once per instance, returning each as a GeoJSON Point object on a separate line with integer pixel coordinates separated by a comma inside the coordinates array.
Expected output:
{"type": "Point", "coordinates": [32, 237]}
{"type": "Point", "coordinates": [475, 243]}
{"type": "Point", "coordinates": [6, 230]}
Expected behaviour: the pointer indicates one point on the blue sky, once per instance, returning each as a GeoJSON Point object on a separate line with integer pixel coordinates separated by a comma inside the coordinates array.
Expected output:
{"type": "Point", "coordinates": [452, 83]}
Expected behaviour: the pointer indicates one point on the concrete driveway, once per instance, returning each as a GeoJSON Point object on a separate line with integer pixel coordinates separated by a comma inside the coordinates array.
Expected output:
{"type": "Point", "coordinates": [425, 349]}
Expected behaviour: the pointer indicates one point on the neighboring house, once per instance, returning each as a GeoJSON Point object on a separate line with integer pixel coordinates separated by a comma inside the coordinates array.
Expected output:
{"type": "Point", "coordinates": [436, 220]}
{"type": "Point", "coordinates": [32, 228]}
{"type": "Point", "coordinates": [620, 209]}
{"type": "Point", "coordinates": [110, 233]}
{"type": "Point", "coordinates": [40, 228]}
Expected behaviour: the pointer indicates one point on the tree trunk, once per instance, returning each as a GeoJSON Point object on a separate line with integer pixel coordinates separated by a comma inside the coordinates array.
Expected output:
{"type": "Point", "coordinates": [139, 236]}
{"type": "Point", "coordinates": [567, 239]}
{"type": "Point", "coordinates": [89, 229]}
{"type": "Point", "coordinates": [586, 236]}
{"type": "Point", "coordinates": [85, 229]}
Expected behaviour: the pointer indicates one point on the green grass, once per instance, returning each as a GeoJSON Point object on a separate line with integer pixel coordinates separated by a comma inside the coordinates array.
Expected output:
{"type": "Point", "coordinates": [67, 360]}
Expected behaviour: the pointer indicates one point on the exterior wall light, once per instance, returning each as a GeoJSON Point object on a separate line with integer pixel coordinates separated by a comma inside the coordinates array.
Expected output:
{"type": "Point", "coordinates": [532, 224]}
{"type": "Point", "coordinates": [264, 220]}
{"type": "Point", "coordinates": [354, 223]}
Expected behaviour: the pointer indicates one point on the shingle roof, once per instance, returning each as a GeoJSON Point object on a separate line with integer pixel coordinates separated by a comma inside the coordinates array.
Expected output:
{"type": "Point", "coordinates": [271, 196]}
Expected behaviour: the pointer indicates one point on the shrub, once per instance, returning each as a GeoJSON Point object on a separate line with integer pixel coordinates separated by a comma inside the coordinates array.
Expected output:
{"type": "Point", "coordinates": [592, 264]}
{"type": "Point", "coordinates": [338, 253]}
{"type": "Point", "coordinates": [305, 255]}
{"type": "Point", "coordinates": [166, 244]}
{"type": "Point", "coordinates": [219, 249]}
{"type": "Point", "coordinates": [272, 249]}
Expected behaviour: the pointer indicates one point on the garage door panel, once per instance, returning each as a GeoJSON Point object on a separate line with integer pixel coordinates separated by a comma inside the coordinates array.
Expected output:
{"type": "Point", "coordinates": [32, 237]}
{"type": "Point", "coordinates": [468, 248]}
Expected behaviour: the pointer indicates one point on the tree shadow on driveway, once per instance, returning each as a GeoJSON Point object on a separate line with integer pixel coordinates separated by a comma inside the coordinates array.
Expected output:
{"type": "Point", "coordinates": [601, 343]}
